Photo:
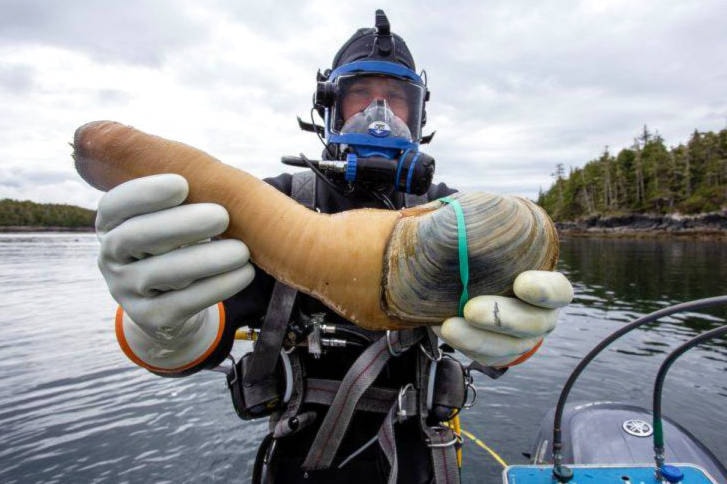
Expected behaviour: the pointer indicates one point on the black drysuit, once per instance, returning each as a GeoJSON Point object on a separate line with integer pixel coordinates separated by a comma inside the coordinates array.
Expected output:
{"type": "Point", "coordinates": [248, 309]}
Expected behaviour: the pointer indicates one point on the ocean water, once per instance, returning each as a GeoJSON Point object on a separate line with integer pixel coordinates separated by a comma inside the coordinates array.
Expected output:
{"type": "Point", "coordinates": [73, 409]}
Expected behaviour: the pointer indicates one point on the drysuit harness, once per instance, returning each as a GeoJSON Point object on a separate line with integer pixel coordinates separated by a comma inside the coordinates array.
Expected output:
{"type": "Point", "coordinates": [270, 381]}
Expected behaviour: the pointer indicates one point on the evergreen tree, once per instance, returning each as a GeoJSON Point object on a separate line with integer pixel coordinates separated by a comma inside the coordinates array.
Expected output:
{"type": "Point", "coordinates": [15, 213]}
{"type": "Point", "coordinates": [647, 177]}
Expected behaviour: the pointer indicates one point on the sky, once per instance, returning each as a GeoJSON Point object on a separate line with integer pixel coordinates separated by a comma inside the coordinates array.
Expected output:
{"type": "Point", "coordinates": [517, 87]}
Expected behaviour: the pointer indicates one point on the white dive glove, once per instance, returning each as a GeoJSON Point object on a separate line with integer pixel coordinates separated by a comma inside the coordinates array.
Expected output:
{"type": "Point", "coordinates": [165, 273]}
{"type": "Point", "coordinates": [503, 331]}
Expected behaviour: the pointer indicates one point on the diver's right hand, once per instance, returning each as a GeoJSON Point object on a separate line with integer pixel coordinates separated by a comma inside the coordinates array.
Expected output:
{"type": "Point", "coordinates": [161, 267]}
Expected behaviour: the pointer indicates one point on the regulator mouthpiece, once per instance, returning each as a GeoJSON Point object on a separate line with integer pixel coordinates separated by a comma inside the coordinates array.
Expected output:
{"type": "Point", "coordinates": [376, 122]}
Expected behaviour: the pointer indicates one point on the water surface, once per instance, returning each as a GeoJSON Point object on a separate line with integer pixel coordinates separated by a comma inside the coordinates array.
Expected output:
{"type": "Point", "coordinates": [73, 409]}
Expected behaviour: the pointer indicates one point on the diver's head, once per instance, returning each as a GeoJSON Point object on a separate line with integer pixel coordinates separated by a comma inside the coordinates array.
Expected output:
{"type": "Point", "coordinates": [372, 100]}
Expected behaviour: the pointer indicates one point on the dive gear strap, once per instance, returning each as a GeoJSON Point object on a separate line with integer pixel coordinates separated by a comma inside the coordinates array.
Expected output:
{"type": "Point", "coordinates": [423, 398]}
{"type": "Point", "coordinates": [260, 380]}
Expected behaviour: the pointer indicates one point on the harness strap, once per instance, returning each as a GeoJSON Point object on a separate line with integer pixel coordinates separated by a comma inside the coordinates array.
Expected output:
{"type": "Point", "coordinates": [374, 399]}
{"type": "Point", "coordinates": [270, 340]}
{"type": "Point", "coordinates": [441, 440]}
{"type": "Point", "coordinates": [387, 442]}
{"type": "Point", "coordinates": [303, 190]}
{"type": "Point", "coordinates": [261, 367]}
{"type": "Point", "coordinates": [404, 407]}
{"type": "Point", "coordinates": [359, 377]}
{"type": "Point", "coordinates": [443, 444]}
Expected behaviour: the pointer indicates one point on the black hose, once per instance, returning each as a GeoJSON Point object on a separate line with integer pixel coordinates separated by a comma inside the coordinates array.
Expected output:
{"type": "Point", "coordinates": [386, 201]}
{"type": "Point", "coordinates": [659, 383]}
{"type": "Point", "coordinates": [353, 332]}
{"type": "Point", "coordinates": [557, 436]}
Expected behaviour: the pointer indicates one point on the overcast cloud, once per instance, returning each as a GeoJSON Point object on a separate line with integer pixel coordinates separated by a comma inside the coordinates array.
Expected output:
{"type": "Point", "coordinates": [517, 86]}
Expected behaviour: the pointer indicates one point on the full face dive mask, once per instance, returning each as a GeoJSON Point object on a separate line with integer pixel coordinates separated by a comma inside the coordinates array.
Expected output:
{"type": "Point", "coordinates": [372, 103]}
{"type": "Point", "coordinates": [374, 122]}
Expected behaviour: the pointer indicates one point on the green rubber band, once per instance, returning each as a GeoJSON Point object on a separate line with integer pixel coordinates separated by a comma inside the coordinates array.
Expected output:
{"type": "Point", "coordinates": [464, 265]}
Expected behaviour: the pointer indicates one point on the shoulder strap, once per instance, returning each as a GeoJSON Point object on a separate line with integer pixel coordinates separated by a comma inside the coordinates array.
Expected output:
{"type": "Point", "coordinates": [282, 300]}
{"type": "Point", "coordinates": [267, 347]}
{"type": "Point", "coordinates": [359, 377]}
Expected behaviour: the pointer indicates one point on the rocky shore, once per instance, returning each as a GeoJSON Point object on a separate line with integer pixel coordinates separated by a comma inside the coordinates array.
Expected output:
{"type": "Point", "coordinates": [708, 226]}
{"type": "Point", "coordinates": [42, 228]}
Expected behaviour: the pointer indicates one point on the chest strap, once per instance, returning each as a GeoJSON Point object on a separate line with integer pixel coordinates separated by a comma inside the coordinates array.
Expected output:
{"type": "Point", "coordinates": [358, 379]}
{"type": "Point", "coordinates": [321, 391]}
{"type": "Point", "coordinates": [441, 440]}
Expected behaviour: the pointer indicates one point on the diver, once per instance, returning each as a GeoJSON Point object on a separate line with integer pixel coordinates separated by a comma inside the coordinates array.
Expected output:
{"type": "Point", "coordinates": [344, 404]}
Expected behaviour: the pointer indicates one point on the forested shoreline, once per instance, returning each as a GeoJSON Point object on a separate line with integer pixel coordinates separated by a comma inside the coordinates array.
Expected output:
{"type": "Point", "coordinates": [23, 216]}
{"type": "Point", "coordinates": [646, 178]}
{"type": "Point", "coordinates": [648, 188]}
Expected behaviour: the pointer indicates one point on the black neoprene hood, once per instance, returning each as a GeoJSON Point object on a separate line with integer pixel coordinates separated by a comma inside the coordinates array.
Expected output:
{"type": "Point", "coordinates": [375, 44]}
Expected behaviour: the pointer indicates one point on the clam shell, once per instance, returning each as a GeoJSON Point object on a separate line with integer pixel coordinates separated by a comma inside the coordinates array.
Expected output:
{"type": "Point", "coordinates": [505, 236]}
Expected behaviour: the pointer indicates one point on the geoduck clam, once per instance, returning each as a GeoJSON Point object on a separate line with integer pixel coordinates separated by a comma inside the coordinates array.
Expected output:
{"type": "Point", "coordinates": [381, 269]}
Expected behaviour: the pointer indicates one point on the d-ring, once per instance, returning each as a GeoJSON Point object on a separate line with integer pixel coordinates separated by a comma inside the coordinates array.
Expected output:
{"type": "Point", "coordinates": [430, 357]}
{"type": "Point", "coordinates": [388, 345]}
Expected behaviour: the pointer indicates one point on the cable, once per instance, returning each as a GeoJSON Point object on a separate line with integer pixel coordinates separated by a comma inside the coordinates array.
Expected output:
{"type": "Point", "coordinates": [318, 134]}
{"type": "Point", "coordinates": [358, 451]}
{"type": "Point", "coordinates": [659, 386]}
{"type": "Point", "coordinates": [383, 199]}
{"type": "Point", "coordinates": [557, 437]}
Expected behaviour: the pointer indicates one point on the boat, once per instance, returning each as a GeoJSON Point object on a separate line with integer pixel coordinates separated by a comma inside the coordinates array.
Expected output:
{"type": "Point", "coordinates": [618, 442]}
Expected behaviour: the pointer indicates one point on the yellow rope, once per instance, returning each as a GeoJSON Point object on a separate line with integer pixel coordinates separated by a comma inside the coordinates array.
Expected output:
{"type": "Point", "coordinates": [455, 425]}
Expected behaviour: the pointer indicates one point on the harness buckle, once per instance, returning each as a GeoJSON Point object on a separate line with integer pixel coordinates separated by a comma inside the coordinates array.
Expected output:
{"type": "Point", "coordinates": [401, 412]}
{"type": "Point", "coordinates": [430, 357]}
{"type": "Point", "coordinates": [259, 398]}
{"type": "Point", "coordinates": [456, 440]}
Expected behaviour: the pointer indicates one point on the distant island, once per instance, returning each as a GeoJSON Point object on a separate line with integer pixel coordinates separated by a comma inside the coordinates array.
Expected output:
{"type": "Point", "coordinates": [26, 216]}
{"type": "Point", "coordinates": [645, 190]}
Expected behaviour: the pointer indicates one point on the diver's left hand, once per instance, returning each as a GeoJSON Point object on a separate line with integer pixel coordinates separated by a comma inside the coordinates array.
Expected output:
{"type": "Point", "coordinates": [503, 331]}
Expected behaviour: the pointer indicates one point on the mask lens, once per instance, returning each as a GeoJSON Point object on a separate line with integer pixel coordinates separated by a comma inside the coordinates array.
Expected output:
{"type": "Point", "coordinates": [357, 93]}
